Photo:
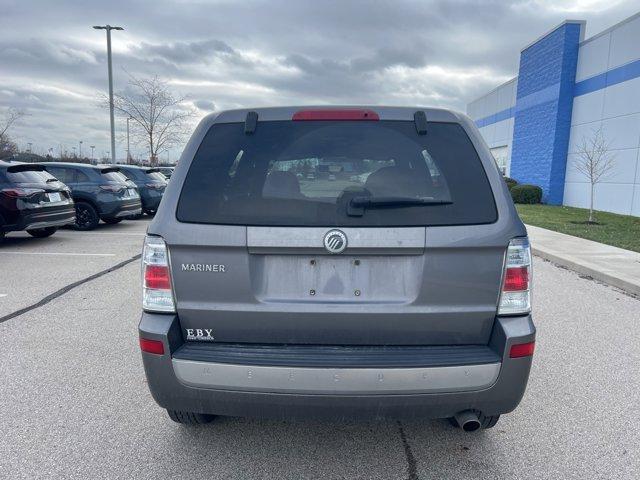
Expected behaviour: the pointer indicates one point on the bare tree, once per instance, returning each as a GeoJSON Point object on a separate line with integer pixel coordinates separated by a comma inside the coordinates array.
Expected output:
{"type": "Point", "coordinates": [595, 161]}
{"type": "Point", "coordinates": [7, 119]}
{"type": "Point", "coordinates": [158, 119]}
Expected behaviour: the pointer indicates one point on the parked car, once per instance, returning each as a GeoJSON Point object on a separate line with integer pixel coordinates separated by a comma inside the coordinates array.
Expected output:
{"type": "Point", "coordinates": [32, 200]}
{"type": "Point", "coordinates": [399, 296]}
{"type": "Point", "coordinates": [100, 193]}
{"type": "Point", "coordinates": [150, 183]}
{"type": "Point", "coordinates": [166, 171]}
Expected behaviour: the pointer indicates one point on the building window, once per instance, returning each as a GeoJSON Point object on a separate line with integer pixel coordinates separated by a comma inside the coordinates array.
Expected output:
{"type": "Point", "coordinates": [501, 155]}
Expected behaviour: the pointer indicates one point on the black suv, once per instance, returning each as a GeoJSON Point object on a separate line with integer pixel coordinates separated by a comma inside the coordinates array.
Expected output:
{"type": "Point", "coordinates": [32, 200]}
{"type": "Point", "coordinates": [100, 193]}
{"type": "Point", "coordinates": [150, 183]}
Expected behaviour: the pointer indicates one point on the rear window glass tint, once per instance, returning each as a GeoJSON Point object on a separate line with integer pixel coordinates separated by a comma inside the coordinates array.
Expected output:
{"type": "Point", "coordinates": [65, 175]}
{"type": "Point", "coordinates": [306, 173]}
{"type": "Point", "coordinates": [28, 176]}
{"type": "Point", "coordinates": [114, 177]}
{"type": "Point", "coordinates": [156, 176]}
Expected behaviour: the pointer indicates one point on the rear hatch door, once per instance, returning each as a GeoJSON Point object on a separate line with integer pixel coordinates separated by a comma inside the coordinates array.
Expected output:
{"type": "Point", "coordinates": [337, 232]}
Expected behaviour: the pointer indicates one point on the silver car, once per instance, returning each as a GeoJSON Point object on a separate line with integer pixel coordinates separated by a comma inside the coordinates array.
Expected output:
{"type": "Point", "coordinates": [399, 288]}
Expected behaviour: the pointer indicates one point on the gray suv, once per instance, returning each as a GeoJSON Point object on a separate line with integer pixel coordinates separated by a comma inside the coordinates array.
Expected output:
{"type": "Point", "coordinates": [337, 262]}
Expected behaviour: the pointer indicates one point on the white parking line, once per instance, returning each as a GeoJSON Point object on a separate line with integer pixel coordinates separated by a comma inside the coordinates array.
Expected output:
{"type": "Point", "coordinates": [3, 295]}
{"type": "Point", "coordinates": [122, 234]}
{"type": "Point", "coordinates": [71, 254]}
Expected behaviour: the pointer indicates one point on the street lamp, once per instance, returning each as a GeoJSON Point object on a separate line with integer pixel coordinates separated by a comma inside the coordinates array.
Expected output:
{"type": "Point", "coordinates": [108, 28]}
{"type": "Point", "coordinates": [92, 147]}
{"type": "Point", "coordinates": [74, 152]}
{"type": "Point", "coordinates": [30, 144]}
{"type": "Point", "coordinates": [80, 143]}
{"type": "Point", "coordinates": [128, 152]}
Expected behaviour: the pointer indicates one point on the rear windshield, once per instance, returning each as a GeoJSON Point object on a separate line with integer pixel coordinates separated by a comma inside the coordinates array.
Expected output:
{"type": "Point", "coordinates": [308, 174]}
{"type": "Point", "coordinates": [114, 177]}
{"type": "Point", "coordinates": [29, 176]}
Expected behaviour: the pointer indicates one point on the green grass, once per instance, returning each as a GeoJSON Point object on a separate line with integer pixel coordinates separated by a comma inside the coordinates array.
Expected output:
{"type": "Point", "coordinates": [618, 230]}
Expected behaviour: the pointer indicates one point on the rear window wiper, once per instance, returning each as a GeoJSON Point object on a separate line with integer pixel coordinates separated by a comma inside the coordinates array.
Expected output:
{"type": "Point", "coordinates": [357, 205]}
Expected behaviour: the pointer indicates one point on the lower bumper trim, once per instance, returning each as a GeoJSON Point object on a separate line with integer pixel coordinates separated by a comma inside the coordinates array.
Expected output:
{"type": "Point", "coordinates": [69, 220]}
{"type": "Point", "coordinates": [129, 213]}
{"type": "Point", "coordinates": [335, 381]}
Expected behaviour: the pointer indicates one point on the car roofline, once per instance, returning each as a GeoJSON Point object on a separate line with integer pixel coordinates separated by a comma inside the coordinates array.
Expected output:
{"type": "Point", "coordinates": [68, 164]}
{"type": "Point", "coordinates": [266, 114]}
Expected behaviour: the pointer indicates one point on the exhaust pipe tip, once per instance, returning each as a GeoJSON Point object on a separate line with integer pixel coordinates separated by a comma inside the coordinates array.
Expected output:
{"type": "Point", "coordinates": [467, 420]}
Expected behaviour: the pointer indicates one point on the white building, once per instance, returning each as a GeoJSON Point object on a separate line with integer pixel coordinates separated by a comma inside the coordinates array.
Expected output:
{"type": "Point", "coordinates": [566, 89]}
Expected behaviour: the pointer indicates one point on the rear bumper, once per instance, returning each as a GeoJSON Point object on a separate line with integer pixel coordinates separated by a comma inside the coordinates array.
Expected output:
{"type": "Point", "coordinates": [121, 208]}
{"type": "Point", "coordinates": [150, 199]}
{"type": "Point", "coordinates": [278, 391]}
{"type": "Point", "coordinates": [50, 216]}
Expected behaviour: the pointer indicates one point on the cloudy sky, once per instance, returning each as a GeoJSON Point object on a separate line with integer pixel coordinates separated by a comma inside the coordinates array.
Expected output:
{"type": "Point", "coordinates": [226, 54]}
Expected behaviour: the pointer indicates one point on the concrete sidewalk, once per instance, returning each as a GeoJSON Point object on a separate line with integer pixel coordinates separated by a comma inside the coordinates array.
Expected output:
{"type": "Point", "coordinates": [614, 266]}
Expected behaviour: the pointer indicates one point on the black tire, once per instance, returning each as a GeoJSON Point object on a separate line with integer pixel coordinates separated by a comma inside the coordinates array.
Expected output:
{"type": "Point", "coordinates": [86, 216]}
{"type": "Point", "coordinates": [111, 220]}
{"type": "Point", "coordinates": [189, 418]}
{"type": "Point", "coordinates": [489, 421]}
{"type": "Point", "coordinates": [1, 236]}
{"type": "Point", "coordinates": [42, 232]}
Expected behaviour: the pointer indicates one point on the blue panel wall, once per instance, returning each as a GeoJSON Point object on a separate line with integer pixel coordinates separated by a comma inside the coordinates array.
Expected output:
{"type": "Point", "coordinates": [543, 111]}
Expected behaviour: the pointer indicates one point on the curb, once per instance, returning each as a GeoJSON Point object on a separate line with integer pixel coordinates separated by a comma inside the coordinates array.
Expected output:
{"type": "Point", "coordinates": [629, 287]}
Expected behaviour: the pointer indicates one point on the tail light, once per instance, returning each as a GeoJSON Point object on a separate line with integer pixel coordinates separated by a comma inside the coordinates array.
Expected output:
{"type": "Point", "coordinates": [157, 294]}
{"type": "Point", "coordinates": [112, 188]}
{"type": "Point", "coordinates": [21, 192]}
{"type": "Point", "coordinates": [515, 297]}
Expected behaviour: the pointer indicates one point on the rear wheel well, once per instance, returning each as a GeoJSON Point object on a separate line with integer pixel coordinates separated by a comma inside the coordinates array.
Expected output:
{"type": "Point", "coordinates": [86, 200]}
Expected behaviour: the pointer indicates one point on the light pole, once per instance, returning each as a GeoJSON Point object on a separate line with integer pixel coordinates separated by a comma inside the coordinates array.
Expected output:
{"type": "Point", "coordinates": [108, 28]}
{"type": "Point", "coordinates": [80, 145]}
{"type": "Point", "coordinates": [128, 151]}
{"type": "Point", "coordinates": [30, 144]}
{"type": "Point", "coordinates": [92, 147]}
{"type": "Point", "coordinates": [74, 152]}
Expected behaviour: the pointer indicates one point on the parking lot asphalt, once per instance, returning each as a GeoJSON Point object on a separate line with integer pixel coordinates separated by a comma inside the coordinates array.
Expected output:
{"type": "Point", "coordinates": [33, 268]}
{"type": "Point", "coordinates": [74, 403]}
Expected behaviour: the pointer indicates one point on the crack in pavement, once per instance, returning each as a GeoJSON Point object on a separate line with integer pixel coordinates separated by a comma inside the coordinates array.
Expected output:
{"type": "Point", "coordinates": [67, 288]}
{"type": "Point", "coordinates": [411, 460]}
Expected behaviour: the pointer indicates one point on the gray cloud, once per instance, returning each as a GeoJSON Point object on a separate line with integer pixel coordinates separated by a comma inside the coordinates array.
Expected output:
{"type": "Point", "coordinates": [205, 105]}
{"type": "Point", "coordinates": [265, 52]}
{"type": "Point", "coordinates": [185, 52]}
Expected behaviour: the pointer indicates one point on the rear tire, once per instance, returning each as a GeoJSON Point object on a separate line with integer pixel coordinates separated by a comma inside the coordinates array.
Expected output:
{"type": "Point", "coordinates": [111, 220]}
{"type": "Point", "coordinates": [189, 418]}
{"type": "Point", "coordinates": [489, 421]}
{"type": "Point", "coordinates": [1, 236]}
{"type": "Point", "coordinates": [86, 216]}
{"type": "Point", "coordinates": [42, 232]}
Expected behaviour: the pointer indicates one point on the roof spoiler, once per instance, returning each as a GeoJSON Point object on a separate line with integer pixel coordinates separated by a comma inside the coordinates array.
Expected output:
{"type": "Point", "coordinates": [250, 123]}
{"type": "Point", "coordinates": [25, 167]}
{"type": "Point", "coordinates": [420, 121]}
{"type": "Point", "coordinates": [109, 169]}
